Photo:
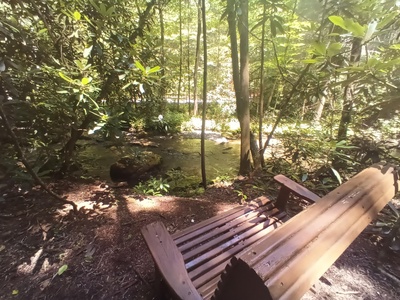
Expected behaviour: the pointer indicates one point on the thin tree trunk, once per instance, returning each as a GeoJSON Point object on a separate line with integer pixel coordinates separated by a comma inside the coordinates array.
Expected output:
{"type": "Point", "coordinates": [162, 59]}
{"type": "Point", "coordinates": [234, 47]}
{"type": "Point", "coordinates": [188, 53]}
{"type": "Point", "coordinates": [284, 105]}
{"type": "Point", "coordinates": [348, 101]}
{"type": "Point", "coordinates": [180, 52]}
{"type": "Point", "coordinates": [197, 59]}
{"type": "Point", "coordinates": [261, 100]}
{"type": "Point", "coordinates": [243, 106]}
{"type": "Point", "coordinates": [321, 105]}
{"type": "Point", "coordinates": [203, 123]}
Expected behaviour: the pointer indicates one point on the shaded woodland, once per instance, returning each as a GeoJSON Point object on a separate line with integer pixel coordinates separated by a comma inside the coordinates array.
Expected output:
{"type": "Point", "coordinates": [305, 88]}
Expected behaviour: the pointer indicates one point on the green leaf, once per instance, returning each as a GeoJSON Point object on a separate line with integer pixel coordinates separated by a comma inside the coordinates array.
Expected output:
{"type": "Point", "coordinates": [338, 21]}
{"type": "Point", "coordinates": [154, 70]}
{"type": "Point", "coordinates": [62, 269]}
{"type": "Point", "coordinates": [87, 51]}
{"type": "Point", "coordinates": [140, 66]}
{"type": "Point", "coordinates": [309, 61]}
{"type": "Point", "coordinates": [337, 175]}
{"type": "Point", "coordinates": [77, 15]}
{"type": "Point", "coordinates": [395, 47]}
{"type": "Point", "coordinates": [65, 77]}
{"type": "Point", "coordinates": [86, 80]}
{"type": "Point", "coordinates": [334, 49]}
{"type": "Point", "coordinates": [103, 9]}
{"type": "Point", "coordinates": [319, 48]}
{"type": "Point", "coordinates": [387, 19]}
{"type": "Point", "coordinates": [355, 28]}
{"type": "Point", "coordinates": [41, 31]}
{"type": "Point", "coordinates": [15, 292]}
{"type": "Point", "coordinates": [126, 85]}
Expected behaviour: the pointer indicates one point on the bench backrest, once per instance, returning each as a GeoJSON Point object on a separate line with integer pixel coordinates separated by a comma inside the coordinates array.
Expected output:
{"type": "Point", "coordinates": [295, 255]}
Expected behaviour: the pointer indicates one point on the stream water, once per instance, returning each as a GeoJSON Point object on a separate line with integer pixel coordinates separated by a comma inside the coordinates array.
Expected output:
{"type": "Point", "coordinates": [182, 152]}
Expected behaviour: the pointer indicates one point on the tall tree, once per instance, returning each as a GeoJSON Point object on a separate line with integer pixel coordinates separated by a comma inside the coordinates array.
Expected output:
{"type": "Point", "coordinates": [241, 78]}
{"type": "Point", "coordinates": [203, 123]}
{"type": "Point", "coordinates": [197, 58]}
{"type": "Point", "coordinates": [180, 52]}
{"type": "Point", "coordinates": [348, 94]}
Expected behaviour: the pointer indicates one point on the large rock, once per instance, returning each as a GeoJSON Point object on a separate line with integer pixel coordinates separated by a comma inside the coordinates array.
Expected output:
{"type": "Point", "coordinates": [131, 169]}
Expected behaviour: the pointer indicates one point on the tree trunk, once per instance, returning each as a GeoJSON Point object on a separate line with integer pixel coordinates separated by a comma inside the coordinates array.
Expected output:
{"type": "Point", "coordinates": [197, 59]}
{"type": "Point", "coordinates": [348, 99]}
{"type": "Point", "coordinates": [261, 100]}
{"type": "Point", "coordinates": [321, 105]}
{"type": "Point", "coordinates": [162, 59]}
{"type": "Point", "coordinates": [243, 109]}
{"type": "Point", "coordinates": [234, 47]}
{"type": "Point", "coordinates": [203, 123]}
{"type": "Point", "coordinates": [180, 53]}
{"type": "Point", "coordinates": [188, 54]}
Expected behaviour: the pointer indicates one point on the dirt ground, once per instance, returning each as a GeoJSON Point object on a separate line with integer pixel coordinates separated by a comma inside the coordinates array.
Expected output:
{"type": "Point", "coordinates": [106, 257]}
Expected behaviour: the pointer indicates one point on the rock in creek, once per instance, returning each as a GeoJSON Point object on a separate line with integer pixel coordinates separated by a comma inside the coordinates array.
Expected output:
{"type": "Point", "coordinates": [132, 168]}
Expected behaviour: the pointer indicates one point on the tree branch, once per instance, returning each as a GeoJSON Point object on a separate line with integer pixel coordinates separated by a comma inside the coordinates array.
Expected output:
{"type": "Point", "coordinates": [26, 163]}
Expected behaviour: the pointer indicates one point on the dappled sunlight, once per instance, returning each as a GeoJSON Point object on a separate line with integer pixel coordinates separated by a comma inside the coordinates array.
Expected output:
{"type": "Point", "coordinates": [147, 204]}
{"type": "Point", "coordinates": [26, 268]}
{"type": "Point", "coordinates": [222, 207]}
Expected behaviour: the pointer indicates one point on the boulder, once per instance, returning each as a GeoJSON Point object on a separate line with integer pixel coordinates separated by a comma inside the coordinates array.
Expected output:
{"type": "Point", "coordinates": [133, 168]}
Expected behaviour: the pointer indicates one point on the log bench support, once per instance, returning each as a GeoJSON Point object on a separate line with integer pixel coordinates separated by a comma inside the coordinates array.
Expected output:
{"type": "Point", "coordinates": [254, 245]}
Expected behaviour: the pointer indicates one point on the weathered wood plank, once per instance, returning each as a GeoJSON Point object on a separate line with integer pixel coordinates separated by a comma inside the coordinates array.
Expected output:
{"type": "Point", "coordinates": [215, 266]}
{"type": "Point", "coordinates": [169, 260]}
{"type": "Point", "coordinates": [244, 218]}
{"type": "Point", "coordinates": [206, 225]}
{"type": "Point", "coordinates": [293, 257]}
{"type": "Point", "coordinates": [232, 238]}
{"type": "Point", "coordinates": [289, 185]}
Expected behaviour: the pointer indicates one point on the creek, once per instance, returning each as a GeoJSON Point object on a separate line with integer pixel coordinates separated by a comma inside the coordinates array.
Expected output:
{"type": "Point", "coordinates": [180, 152]}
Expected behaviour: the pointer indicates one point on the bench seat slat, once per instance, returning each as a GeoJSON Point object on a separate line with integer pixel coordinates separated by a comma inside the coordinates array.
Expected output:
{"type": "Point", "coordinates": [215, 266]}
{"type": "Point", "coordinates": [235, 233]}
{"type": "Point", "coordinates": [201, 239]}
{"type": "Point", "coordinates": [184, 235]}
{"type": "Point", "coordinates": [232, 238]}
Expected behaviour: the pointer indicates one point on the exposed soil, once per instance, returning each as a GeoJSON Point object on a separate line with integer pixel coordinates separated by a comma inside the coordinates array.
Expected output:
{"type": "Point", "coordinates": [106, 255]}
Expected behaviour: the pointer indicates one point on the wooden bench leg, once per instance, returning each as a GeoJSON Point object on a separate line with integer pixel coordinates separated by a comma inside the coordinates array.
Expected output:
{"type": "Point", "coordinates": [283, 197]}
{"type": "Point", "coordinates": [160, 287]}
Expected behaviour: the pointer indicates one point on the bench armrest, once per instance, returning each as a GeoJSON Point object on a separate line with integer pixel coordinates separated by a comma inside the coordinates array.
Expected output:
{"type": "Point", "coordinates": [169, 261]}
{"type": "Point", "coordinates": [289, 186]}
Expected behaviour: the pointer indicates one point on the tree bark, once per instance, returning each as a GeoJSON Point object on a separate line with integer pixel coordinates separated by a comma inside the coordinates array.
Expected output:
{"type": "Point", "coordinates": [203, 123]}
{"type": "Point", "coordinates": [197, 59]}
{"type": "Point", "coordinates": [162, 59]}
{"type": "Point", "coordinates": [348, 95]}
{"type": "Point", "coordinates": [180, 53]}
{"type": "Point", "coordinates": [261, 100]}
{"type": "Point", "coordinates": [243, 109]}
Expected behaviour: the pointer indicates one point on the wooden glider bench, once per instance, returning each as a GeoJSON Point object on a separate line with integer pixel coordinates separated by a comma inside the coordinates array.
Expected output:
{"type": "Point", "coordinates": [251, 252]}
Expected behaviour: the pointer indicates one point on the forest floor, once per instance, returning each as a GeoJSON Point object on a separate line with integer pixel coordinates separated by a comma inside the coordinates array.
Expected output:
{"type": "Point", "coordinates": [108, 259]}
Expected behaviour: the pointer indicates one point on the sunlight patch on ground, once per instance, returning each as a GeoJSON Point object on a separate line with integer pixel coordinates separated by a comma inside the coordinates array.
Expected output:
{"type": "Point", "coordinates": [146, 203]}
{"type": "Point", "coordinates": [222, 207]}
{"type": "Point", "coordinates": [25, 268]}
